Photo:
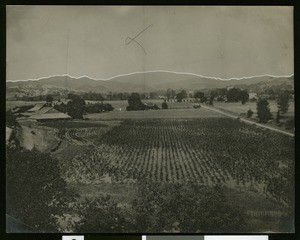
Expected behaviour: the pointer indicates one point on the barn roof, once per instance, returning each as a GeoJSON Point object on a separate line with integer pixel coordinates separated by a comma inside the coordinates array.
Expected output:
{"type": "Point", "coordinates": [46, 110]}
{"type": "Point", "coordinates": [58, 115]}
{"type": "Point", "coordinates": [36, 107]}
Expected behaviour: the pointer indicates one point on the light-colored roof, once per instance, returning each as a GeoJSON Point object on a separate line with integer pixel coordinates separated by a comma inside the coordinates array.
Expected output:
{"type": "Point", "coordinates": [27, 114]}
{"type": "Point", "coordinates": [252, 94]}
{"type": "Point", "coordinates": [8, 132]}
{"type": "Point", "coordinates": [36, 107]}
{"type": "Point", "coordinates": [46, 110]}
{"type": "Point", "coordinates": [150, 104]}
{"type": "Point", "coordinates": [13, 110]}
{"type": "Point", "coordinates": [41, 110]}
{"type": "Point", "coordinates": [51, 116]}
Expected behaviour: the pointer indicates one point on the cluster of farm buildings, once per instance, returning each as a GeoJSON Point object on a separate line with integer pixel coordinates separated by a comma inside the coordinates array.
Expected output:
{"type": "Point", "coordinates": [43, 112]}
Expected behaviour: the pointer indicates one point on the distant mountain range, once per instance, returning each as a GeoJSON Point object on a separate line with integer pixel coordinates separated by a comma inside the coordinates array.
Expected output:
{"type": "Point", "coordinates": [142, 82]}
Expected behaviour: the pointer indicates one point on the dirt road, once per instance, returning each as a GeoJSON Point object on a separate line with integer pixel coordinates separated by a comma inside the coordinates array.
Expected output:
{"type": "Point", "coordinates": [248, 121]}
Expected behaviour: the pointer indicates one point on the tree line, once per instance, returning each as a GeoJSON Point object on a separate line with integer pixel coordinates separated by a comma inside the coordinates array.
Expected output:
{"type": "Point", "coordinates": [264, 113]}
{"type": "Point", "coordinates": [233, 94]}
{"type": "Point", "coordinates": [77, 107]}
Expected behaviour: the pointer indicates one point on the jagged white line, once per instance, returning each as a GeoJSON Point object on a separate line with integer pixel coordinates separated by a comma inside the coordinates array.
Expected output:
{"type": "Point", "coordinates": [152, 71]}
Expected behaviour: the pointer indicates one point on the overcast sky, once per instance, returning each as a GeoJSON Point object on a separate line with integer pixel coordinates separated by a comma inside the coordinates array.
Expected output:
{"type": "Point", "coordinates": [222, 42]}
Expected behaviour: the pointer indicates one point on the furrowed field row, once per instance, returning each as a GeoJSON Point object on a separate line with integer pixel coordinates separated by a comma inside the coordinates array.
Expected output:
{"type": "Point", "coordinates": [207, 151]}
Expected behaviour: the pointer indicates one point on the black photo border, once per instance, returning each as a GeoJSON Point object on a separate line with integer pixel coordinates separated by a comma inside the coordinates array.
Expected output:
{"type": "Point", "coordinates": [128, 236]}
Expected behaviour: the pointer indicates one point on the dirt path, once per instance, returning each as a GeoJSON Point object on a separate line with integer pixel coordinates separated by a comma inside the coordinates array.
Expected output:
{"type": "Point", "coordinates": [248, 121]}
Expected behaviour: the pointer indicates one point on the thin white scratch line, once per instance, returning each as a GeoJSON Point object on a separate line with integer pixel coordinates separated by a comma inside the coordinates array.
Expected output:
{"type": "Point", "coordinates": [152, 71]}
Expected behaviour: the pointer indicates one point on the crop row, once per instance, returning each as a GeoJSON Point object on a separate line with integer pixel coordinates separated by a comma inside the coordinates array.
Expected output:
{"type": "Point", "coordinates": [206, 151]}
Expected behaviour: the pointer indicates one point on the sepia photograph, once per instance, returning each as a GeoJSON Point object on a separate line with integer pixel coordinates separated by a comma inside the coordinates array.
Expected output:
{"type": "Point", "coordinates": [150, 119]}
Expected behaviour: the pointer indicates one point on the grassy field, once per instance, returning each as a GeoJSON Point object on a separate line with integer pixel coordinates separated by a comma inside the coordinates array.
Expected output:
{"type": "Point", "coordinates": [168, 113]}
{"type": "Point", "coordinates": [120, 105]}
{"type": "Point", "coordinates": [239, 108]}
{"type": "Point", "coordinates": [117, 104]}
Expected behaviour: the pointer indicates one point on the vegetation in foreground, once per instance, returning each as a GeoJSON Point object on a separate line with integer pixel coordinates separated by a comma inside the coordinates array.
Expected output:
{"type": "Point", "coordinates": [156, 207]}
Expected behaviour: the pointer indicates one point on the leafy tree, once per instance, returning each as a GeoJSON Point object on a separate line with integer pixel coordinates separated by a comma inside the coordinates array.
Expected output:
{"type": "Point", "coordinates": [102, 215]}
{"type": "Point", "coordinates": [61, 107]}
{"type": "Point", "coordinates": [122, 96]}
{"type": "Point", "coordinates": [222, 91]}
{"type": "Point", "coordinates": [171, 93]}
{"type": "Point", "coordinates": [244, 96]}
{"type": "Point", "coordinates": [135, 103]}
{"type": "Point", "coordinates": [220, 98]}
{"type": "Point", "coordinates": [134, 100]}
{"type": "Point", "coordinates": [263, 110]}
{"type": "Point", "coordinates": [249, 113]}
{"type": "Point", "coordinates": [233, 95]}
{"type": "Point", "coordinates": [213, 93]}
{"type": "Point", "coordinates": [199, 95]}
{"type": "Point", "coordinates": [110, 95]}
{"type": "Point", "coordinates": [93, 96]}
{"type": "Point", "coordinates": [143, 96]}
{"type": "Point", "coordinates": [76, 107]}
{"type": "Point", "coordinates": [155, 107]}
{"type": "Point", "coordinates": [211, 100]}
{"type": "Point", "coordinates": [283, 102]}
{"type": "Point", "coordinates": [278, 117]}
{"type": "Point", "coordinates": [71, 96]}
{"type": "Point", "coordinates": [49, 99]}
{"type": "Point", "coordinates": [153, 95]}
{"type": "Point", "coordinates": [164, 105]}
{"type": "Point", "coordinates": [98, 108]}
{"type": "Point", "coordinates": [184, 94]}
{"type": "Point", "coordinates": [36, 193]}
{"type": "Point", "coordinates": [290, 124]}
{"type": "Point", "coordinates": [196, 208]}
{"type": "Point", "coordinates": [107, 107]}
{"type": "Point", "coordinates": [11, 120]}
{"type": "Point", "coordinates": [271, 93]}
{"type": "Point", "coordinates": [180, 97]}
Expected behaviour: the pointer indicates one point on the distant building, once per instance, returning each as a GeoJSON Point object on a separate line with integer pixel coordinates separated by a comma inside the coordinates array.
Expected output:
{"type": "Point", "coordinates": [47, 117]}
{"type": "Point", "coordinates": [171, 100]}
{"type": "Point", "coordinates": [253, 96]}
{"type": "Point", "coordinates": [188, 100]}
{"type": "Point", "coordinates": [44, 112]}
{"type": "Point", "coordinates": [183, 100]}
{"type": "Point", "coordinates": [36, 107]}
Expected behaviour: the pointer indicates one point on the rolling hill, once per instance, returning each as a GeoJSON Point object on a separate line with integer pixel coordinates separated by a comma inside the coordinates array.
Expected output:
{"type": "Point", "coordinates": [142, 82]}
